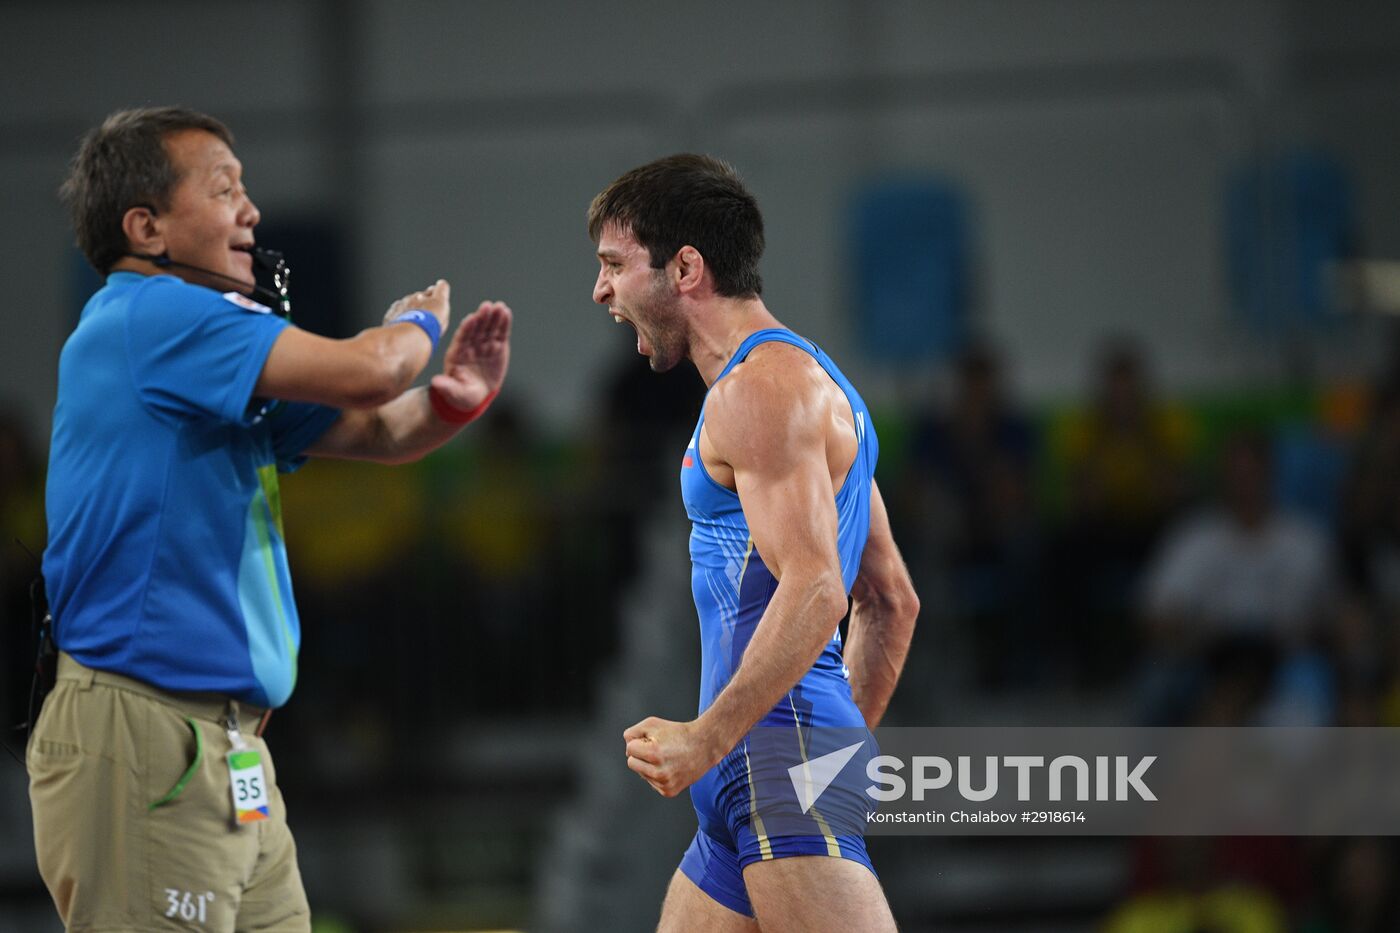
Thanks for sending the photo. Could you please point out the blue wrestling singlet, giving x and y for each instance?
(732, 588)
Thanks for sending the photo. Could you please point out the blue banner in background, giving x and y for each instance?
(910, 269)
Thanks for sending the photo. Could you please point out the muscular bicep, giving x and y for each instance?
(778, 454)
(791, 514)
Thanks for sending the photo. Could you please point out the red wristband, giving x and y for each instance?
(453, 415)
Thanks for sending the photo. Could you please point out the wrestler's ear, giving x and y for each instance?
(688, 268)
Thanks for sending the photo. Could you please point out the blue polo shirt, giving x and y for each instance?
(165, 559)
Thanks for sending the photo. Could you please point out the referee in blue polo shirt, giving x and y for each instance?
(180, 399)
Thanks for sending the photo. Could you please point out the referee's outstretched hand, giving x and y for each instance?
(476, 360)
(436, 299)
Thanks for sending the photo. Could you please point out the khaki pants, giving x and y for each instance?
(104, 750)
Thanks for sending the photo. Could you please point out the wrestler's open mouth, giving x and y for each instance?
(619, 319)
(643, 347)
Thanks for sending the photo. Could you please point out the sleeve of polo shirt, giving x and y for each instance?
(195, 353)
(295, 427)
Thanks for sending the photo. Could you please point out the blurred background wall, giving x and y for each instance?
(1086, 193)
(465, 139)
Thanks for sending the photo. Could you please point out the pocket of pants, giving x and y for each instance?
(46, 751)
(196, 758)
(52, 766)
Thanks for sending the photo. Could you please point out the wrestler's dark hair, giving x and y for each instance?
(688, 200)
(120, 165)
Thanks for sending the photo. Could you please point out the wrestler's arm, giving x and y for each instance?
(884, 608)
(775, 441)
(768, 423)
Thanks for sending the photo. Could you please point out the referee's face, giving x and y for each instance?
(211, 218)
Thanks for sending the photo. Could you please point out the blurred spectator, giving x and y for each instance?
(1361, 655)
(1127, 457)
(1235, 602)
(634, 453)
(1368, 640)
(495, 526)
(353, 529)
(1387, 695)
(22, 518)
(1208, 885)
(646, 421)
(1218, 908)
(1370, 523)
(1359, 889)
(972, 471)
(1125, 465)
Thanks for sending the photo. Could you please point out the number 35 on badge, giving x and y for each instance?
(249, 786)
(245, 773)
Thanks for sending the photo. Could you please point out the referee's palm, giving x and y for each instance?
(476, 361)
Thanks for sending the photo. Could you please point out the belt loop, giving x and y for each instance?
(85, 674)
(237, 709)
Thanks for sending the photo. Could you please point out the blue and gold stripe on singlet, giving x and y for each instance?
(832, 848)
(765, 848)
